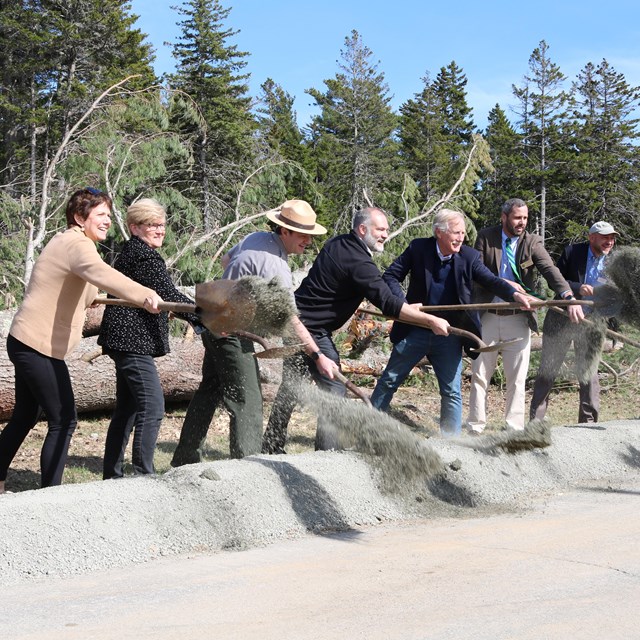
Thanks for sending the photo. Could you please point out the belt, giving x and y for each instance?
(505, 312)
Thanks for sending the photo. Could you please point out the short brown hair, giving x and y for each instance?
(83, 201)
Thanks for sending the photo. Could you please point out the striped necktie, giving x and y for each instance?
(511, 259)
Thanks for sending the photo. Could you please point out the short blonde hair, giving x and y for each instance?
(145, 211)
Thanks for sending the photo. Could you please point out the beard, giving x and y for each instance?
(374, 244)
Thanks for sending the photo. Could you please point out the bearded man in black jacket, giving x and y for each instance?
(342, 276)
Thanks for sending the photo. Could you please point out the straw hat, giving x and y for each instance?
(296, 215)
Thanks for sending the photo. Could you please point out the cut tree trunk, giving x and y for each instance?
(94, 382)
(180, 371)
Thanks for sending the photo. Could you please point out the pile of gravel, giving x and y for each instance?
(238, 504)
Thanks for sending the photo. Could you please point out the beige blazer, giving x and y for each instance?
(64, 282)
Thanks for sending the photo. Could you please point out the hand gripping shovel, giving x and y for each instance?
(481, 348)
(224, 306)
(292, 350)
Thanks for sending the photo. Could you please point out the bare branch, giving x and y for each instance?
(438, 203)
(36, 237)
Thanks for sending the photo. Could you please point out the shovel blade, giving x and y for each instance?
(224, 307)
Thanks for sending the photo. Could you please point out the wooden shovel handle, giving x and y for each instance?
(452, 330)
(352, 387)
(620, 337)
(486, 306)
(175, 307)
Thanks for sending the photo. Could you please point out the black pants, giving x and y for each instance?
(139, 408)
(293, 370)
(41, 384)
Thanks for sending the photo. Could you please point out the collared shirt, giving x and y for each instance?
(506, 271)
(443, 258)
(595, 269)
(260, 254)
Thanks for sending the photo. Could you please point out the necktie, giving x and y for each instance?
(511, 258)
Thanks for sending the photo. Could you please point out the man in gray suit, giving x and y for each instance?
(512, 253)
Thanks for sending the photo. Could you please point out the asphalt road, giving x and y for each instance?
(569, 568)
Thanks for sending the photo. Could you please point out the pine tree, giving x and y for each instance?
(605, 185)
(209, 70)
(283, 147)
(58, 56)
(422, 140)
(353, 136)
(508, 177)
(543, 117)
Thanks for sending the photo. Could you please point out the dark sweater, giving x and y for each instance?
(135, 330)
(342, 275)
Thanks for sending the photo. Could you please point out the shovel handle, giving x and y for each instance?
(352, 387)
(620, 337)
(175, 307)
(463, 333)
(480, 306)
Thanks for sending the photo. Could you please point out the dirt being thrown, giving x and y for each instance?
(623, 271)
(274, 305)
(400, 457)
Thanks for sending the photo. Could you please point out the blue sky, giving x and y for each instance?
(298, 43)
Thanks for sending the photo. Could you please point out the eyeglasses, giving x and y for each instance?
(156, 226)
(94, 192)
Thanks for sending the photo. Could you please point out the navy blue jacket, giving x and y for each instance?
(417, 261)
(572, 264)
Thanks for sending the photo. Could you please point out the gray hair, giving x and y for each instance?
(511, 204)
(364, 216)
(444, 217)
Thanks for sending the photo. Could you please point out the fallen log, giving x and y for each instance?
(94, 383)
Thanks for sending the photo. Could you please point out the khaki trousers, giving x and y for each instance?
(515, 360)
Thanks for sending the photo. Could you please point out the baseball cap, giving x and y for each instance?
(603, 228)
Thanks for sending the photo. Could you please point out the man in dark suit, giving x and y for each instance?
(509, 251)
(342, 276)
(442, 271)
(582, 264)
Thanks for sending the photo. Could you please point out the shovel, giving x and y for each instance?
(292, 350)
(225, 306)
(482, 346)
(607, 302)
(618, 337)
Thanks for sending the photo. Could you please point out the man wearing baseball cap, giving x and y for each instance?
(230, 373)
(582, 264)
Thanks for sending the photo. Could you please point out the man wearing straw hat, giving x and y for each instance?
(230, 371)
(514, 254)
(582, 264)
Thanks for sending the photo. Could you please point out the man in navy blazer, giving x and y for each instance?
(442, 271)
(582, 265)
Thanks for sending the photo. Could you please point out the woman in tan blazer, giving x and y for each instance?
(48, 325)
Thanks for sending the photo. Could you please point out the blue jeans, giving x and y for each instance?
(445, 355)
(139, 408)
